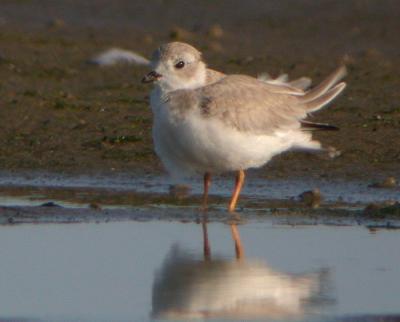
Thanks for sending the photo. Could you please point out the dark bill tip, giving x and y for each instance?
(151, 77)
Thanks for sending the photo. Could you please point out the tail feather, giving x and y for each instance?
(302, 83)
(325, 85)
(313, 126)
(322, 100)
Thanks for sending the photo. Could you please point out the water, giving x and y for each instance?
(132, 271)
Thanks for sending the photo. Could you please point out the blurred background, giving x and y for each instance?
(60, 113)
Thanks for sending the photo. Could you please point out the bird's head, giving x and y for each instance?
(176, 65)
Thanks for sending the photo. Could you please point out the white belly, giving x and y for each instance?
(194, 144)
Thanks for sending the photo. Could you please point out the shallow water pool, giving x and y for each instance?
(132, 271)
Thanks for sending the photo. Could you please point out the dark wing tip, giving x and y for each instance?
(311, 126)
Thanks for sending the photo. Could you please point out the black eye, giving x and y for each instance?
(180, 64)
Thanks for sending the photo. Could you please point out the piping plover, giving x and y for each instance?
(208, 122)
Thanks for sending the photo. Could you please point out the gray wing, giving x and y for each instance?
(249, 105)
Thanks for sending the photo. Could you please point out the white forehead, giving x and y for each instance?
(174, 52)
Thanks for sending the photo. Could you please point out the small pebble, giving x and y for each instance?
(385, 209)
(178, 33)
(95, 206)
(179, 191)
(82, 123)
(311, 198)
(333, 152)
(389, 182)
(148, 39)
(248, 59)
(49, 204)
(215, 31)
(56, 23)
(348, 60)
(372, 53)
(372, 208)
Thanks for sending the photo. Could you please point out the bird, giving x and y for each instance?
(207, 122)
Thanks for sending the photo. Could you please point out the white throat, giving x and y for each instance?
(174, 84)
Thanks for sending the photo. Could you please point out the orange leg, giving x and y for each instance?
(232, 205)
(207, 182)
(238, 187)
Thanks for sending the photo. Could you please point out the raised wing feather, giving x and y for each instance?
(278, 85)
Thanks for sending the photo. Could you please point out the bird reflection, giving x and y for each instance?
(189, 286)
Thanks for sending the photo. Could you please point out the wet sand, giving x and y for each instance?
(43, 198)
(60, 114)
